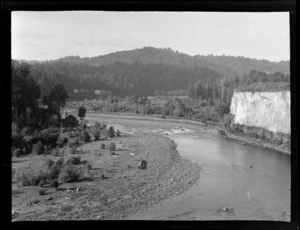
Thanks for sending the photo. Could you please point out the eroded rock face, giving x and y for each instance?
(269, 110)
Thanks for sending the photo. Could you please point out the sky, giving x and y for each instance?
(51, 35)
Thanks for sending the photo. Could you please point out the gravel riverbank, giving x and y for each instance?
(125, 190)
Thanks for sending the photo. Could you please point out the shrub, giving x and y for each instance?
(112, 146)
(38, 148)
(97, 134)
(74, 160)
(103, 126)
(53, 172)
(62, 141)
(118, 133)
(70, 174)
(85, 136)
(54, 184)
(102, 146)
(111, 132)
(60, 162)
(50, 136)
(42, 192)
(70, 121)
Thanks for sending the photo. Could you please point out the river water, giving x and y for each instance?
(237, 182)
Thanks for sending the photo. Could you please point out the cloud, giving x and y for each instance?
(121, 41)
(78, 43)
(28, 34)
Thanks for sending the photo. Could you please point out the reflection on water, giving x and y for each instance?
(238, 182)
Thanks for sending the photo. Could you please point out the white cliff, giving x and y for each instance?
(269, 110)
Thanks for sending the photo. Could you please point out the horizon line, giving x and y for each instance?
(166, 48)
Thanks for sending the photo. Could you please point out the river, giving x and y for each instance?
(237, 181)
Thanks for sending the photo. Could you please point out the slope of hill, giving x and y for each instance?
(143, 71)
(227, 66)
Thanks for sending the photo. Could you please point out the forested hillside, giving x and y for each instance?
(143, 72)
(82, 80)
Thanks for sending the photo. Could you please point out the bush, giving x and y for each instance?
(38, 148)
(74, 160)
(50, 136)
(85, 136)
(118, 133)
(103, 126)
(102, 146)
(70, 174)
(42, 192)
(111, 132)
(70, 121)
(97, 134)
(112, 146)
(62, 141)
(54, 184)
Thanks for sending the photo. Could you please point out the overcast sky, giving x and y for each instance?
(52, 35)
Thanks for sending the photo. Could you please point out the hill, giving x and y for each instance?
(143, 71)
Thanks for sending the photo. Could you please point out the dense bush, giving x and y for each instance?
(111, 132)
(70, 121)
(97, 125)
(70, 174)
(74, 160)
(118, 133)
(85, 136)
(97, 134)
(49, 137)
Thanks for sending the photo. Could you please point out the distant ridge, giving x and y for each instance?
(227, 66)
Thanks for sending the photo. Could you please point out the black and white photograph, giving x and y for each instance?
(150, 115)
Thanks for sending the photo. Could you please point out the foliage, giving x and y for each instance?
(70, 121)
(97, 134)
(81, 112)
(118, 133)
(85, 136)
(73, 149)
(111, 132)
(102, 146)
(70, 174)
(57, 98)
(74, 160)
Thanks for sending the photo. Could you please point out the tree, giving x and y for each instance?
(81, 112)
(57, 98)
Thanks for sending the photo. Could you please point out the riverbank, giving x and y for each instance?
(211, 125)
(118, 187)
(259, 143)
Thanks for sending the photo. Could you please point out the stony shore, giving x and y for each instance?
(125, 190)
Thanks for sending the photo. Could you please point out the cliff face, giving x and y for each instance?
(269, 110)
